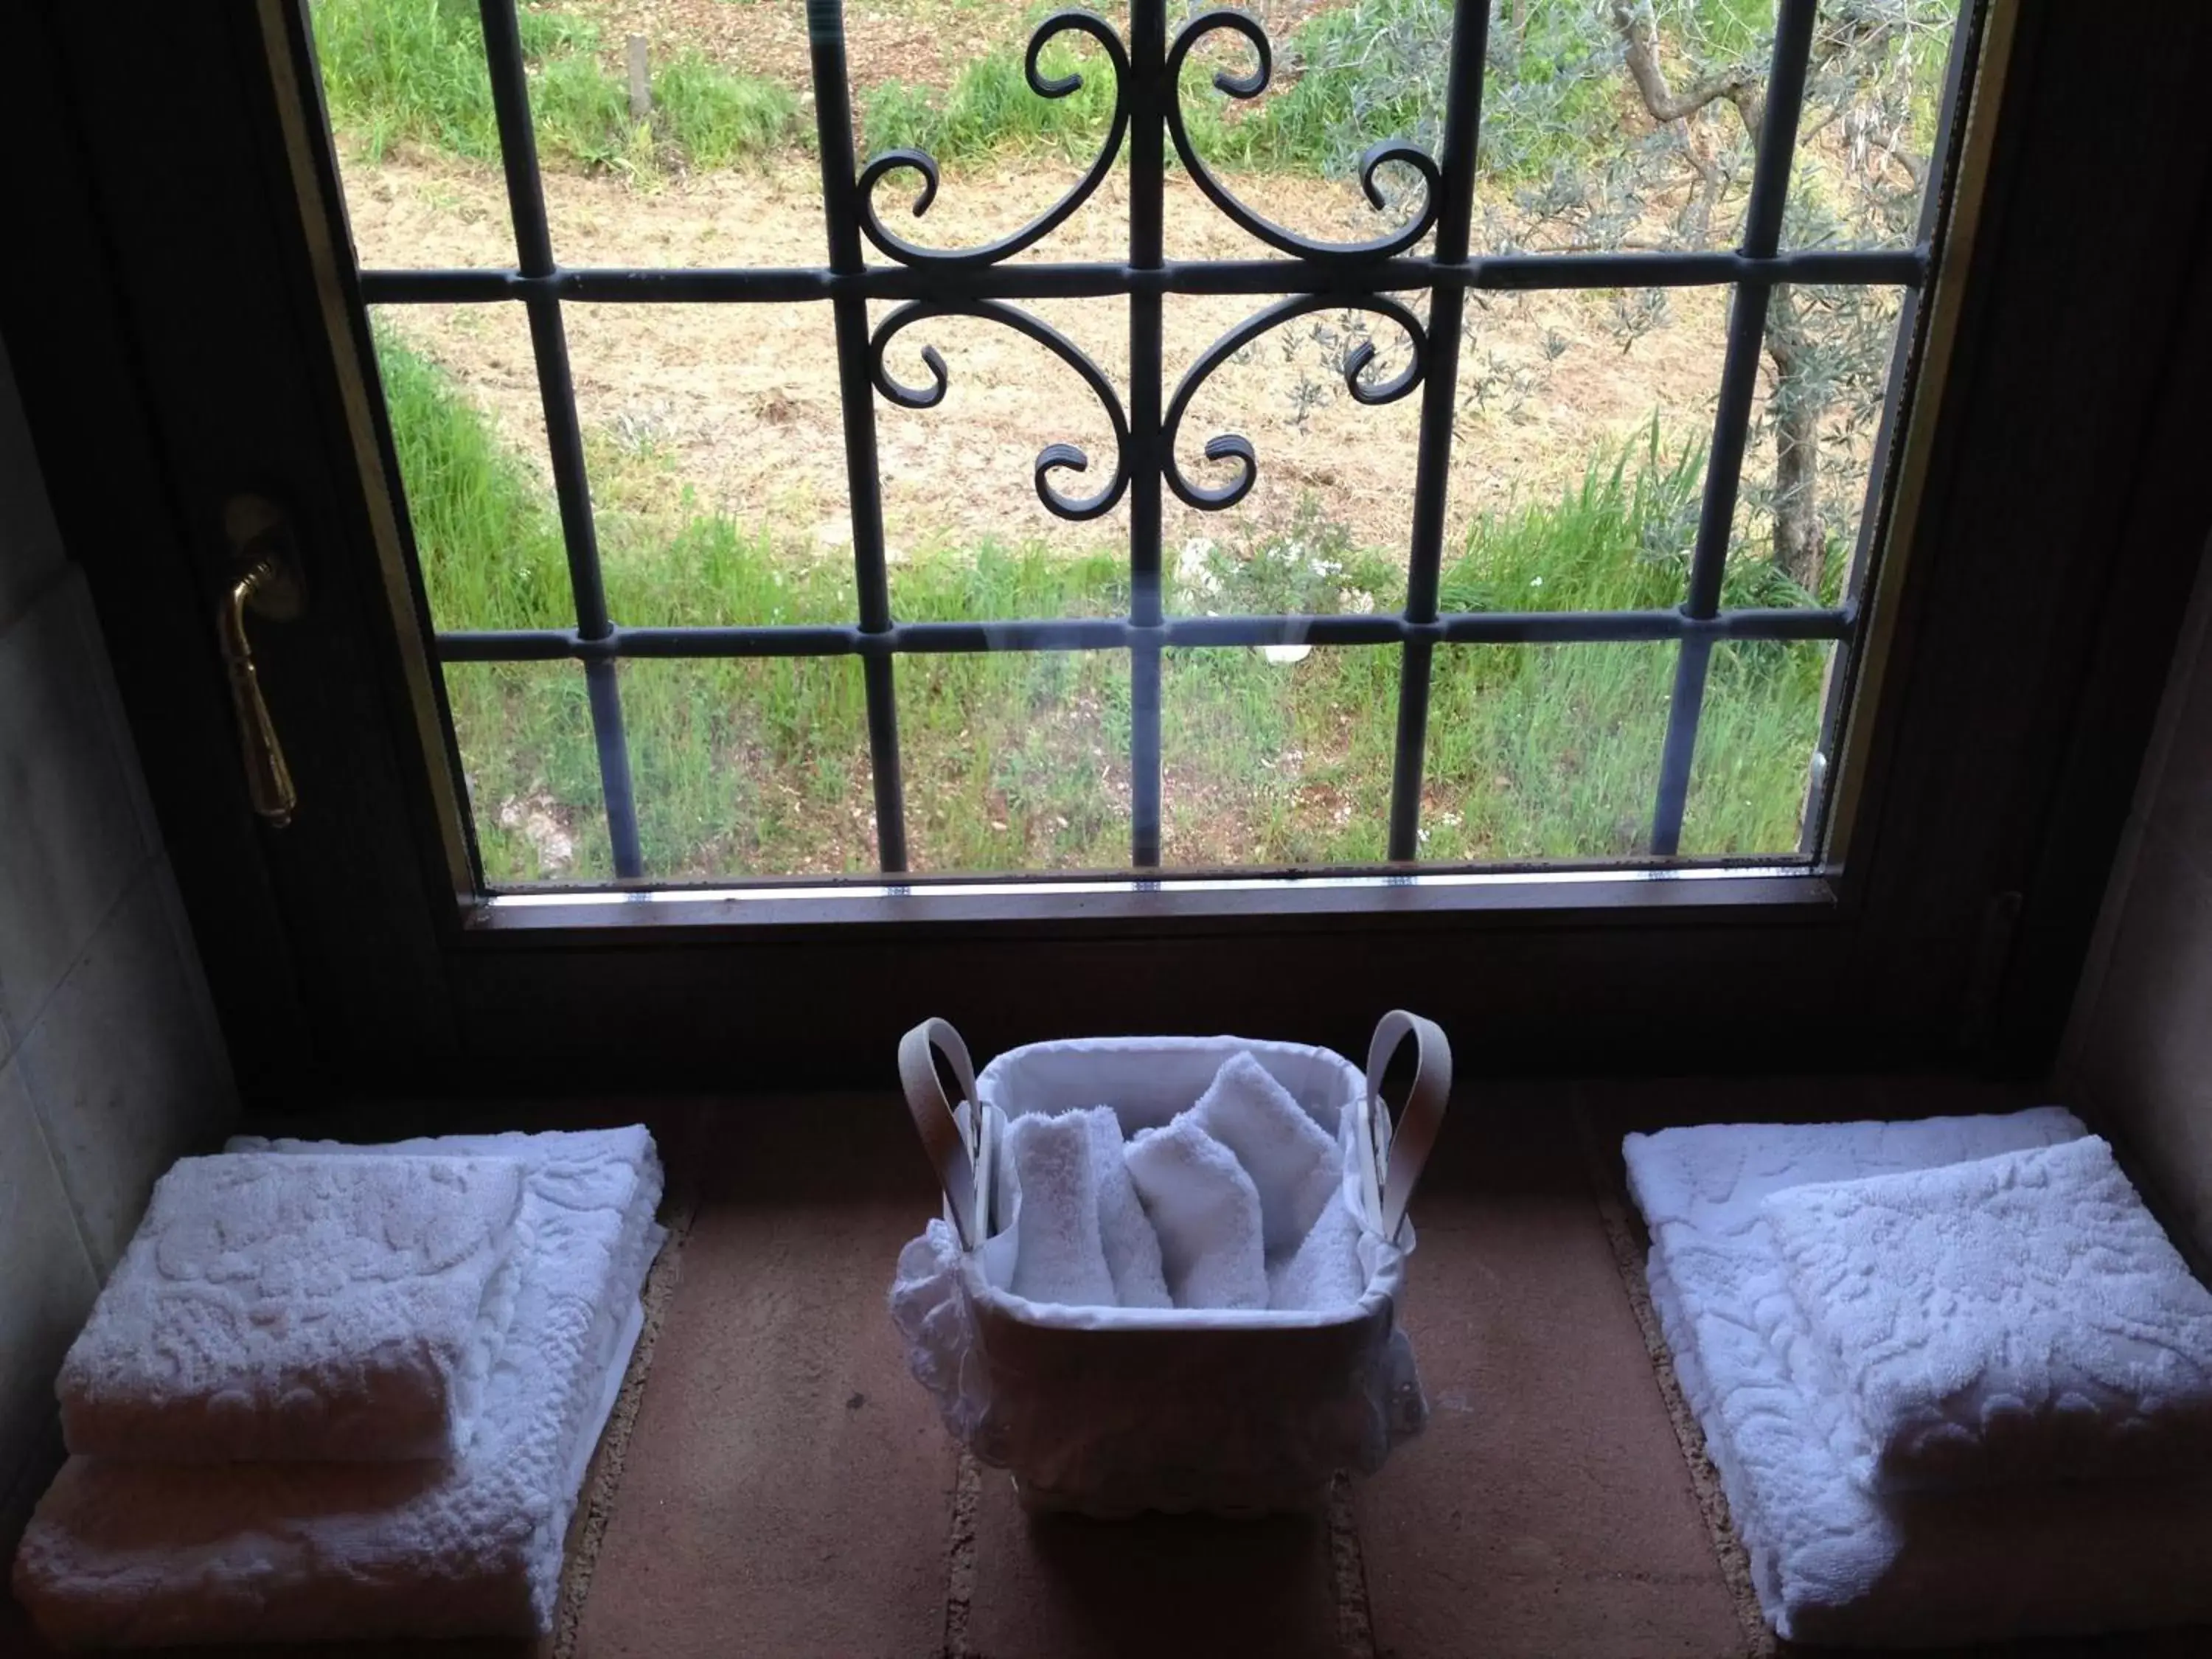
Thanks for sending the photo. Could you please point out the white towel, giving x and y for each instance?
(1325, 1272)
(1132, 1248)
(1831, 1561)
(1206, 1212)
(1059, 1254)
(1291, 1159)
(142, 1554)
(298, 1307)
(2021, 1317)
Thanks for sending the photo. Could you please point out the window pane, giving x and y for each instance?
(751, 768)
(1329, 471)
(1569, 398)
(1016, 760)
(1544, 752)
(717, 460)
(1590, 505)
(531, 770)
(1620, 126)
(1870, 140)
(410, 106)
(1762, 722)
(1823, 379)
(946, 78)
(962, 475)
(461, 385)
(1291, 154)
(1275, 756)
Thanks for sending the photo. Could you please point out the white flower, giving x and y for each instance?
(1535, 581)
(1193, 567)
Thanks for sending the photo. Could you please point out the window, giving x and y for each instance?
(195, 327)
(1476, 623)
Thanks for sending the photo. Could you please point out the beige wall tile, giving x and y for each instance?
(119, 1068)
(2140, 1047)
(46, 1283)
(30, 547)
(73, 839)
(2147, 1060)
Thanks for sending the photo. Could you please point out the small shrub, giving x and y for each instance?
(715, 119)
(484, 528)
(580, 111)
(413, 71)
(406, 71)
(991, 106)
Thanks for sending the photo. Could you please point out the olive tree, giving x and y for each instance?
(1613, 124)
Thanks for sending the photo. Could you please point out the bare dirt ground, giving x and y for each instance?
(921, 42)
(742, 398)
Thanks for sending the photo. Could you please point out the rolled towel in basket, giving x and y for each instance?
(1294, 1164)
(1325, 1272)
(1059, 1256)
(1132, 1248)
(2021, 1317)
(295, 1308)
(1206, 1212)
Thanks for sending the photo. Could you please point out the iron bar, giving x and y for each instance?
(1121, 634)
(1904, 267)
(833, 124)
(1148, 88)
(564, 438)
(1439, 409)
(1762, 235)
(1899, 388)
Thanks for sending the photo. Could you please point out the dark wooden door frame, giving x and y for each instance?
(171, 346)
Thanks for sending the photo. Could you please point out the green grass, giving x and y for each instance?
(1345, 78)
(990, 110)
(412, 71)
(990, 107)
(1018, 760)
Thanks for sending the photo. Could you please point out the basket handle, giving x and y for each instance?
(1415, 1133)
(941, 1137)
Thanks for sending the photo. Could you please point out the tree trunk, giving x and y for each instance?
(1800, 542)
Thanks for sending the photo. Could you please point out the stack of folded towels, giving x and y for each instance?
(1956, 1381)
(1238, 1202)
(337, 1391)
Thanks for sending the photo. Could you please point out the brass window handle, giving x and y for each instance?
(269, 587)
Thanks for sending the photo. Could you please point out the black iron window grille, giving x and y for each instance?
(984, 281)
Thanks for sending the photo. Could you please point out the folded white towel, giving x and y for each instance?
(142, 1554)
(1206, 1212)
(2021, 1317)
(1326, 1271)
(1060, 1255)
(1132, 1248)
(1831, 1561)
(298, 1307)
(1293, 1161)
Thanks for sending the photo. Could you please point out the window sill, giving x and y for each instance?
(1127, 904)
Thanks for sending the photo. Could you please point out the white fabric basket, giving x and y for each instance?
(1112, 1410)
